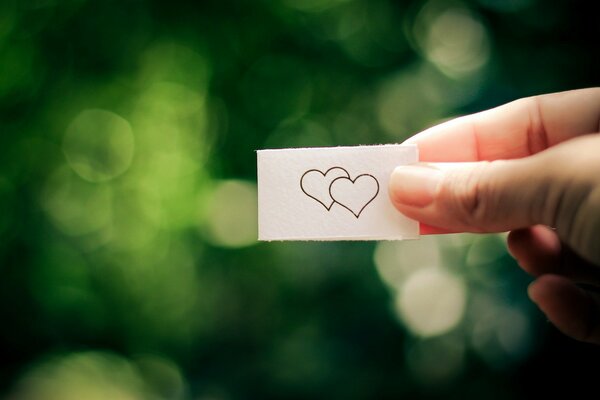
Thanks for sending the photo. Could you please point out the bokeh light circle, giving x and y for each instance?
(431, 302)
(452, 37)
(457, 42)
(87, 375)
(395, 260)
(99, 145)
(76, 207)
(232, 219)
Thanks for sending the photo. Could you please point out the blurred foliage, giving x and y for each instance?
(128, 256)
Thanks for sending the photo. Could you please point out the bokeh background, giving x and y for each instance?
(129, 266)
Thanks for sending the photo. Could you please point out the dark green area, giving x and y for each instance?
(121, 122)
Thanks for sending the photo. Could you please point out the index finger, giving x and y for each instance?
(514, 130)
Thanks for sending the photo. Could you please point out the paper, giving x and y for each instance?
(331, 193)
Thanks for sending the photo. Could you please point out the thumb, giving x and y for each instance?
(559, 187)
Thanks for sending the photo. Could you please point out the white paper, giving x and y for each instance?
(331, 193)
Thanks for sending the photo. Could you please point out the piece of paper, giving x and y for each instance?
(331, 193)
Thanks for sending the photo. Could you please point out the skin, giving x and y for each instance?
(531, 167)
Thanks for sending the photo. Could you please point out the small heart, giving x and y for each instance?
(354, 195)
(315, 184)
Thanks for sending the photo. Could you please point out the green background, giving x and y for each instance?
(129, 267)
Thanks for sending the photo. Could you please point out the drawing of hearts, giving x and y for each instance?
(315, 184)
(354, 194)
(336, 186)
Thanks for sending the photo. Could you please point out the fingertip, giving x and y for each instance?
(565, 305)
(514, 239)
(539, 289)
(414, 185)
(536, 249)
(541, 236)
(550, 289)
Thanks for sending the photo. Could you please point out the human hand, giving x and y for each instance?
(525, 167)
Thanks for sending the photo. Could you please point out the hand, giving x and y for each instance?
(526, 166)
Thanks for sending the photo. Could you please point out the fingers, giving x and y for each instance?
(572, 310)
(538, 251)
(514, 130)
(558, 187)
(425, 229)
(464, 197)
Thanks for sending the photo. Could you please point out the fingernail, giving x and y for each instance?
(415, 185)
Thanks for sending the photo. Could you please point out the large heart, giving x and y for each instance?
(315, 184)
(354, 194)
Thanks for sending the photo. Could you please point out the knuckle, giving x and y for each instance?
(572, 197)
(583, 228)
(470, 196)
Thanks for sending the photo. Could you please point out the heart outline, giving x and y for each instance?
(354, 180)
(324, 175)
